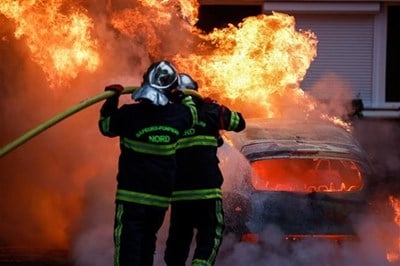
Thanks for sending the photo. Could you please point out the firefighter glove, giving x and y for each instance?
(115, 87)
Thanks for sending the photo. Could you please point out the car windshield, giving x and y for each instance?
(306, 175)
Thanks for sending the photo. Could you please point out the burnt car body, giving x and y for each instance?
(311, 179)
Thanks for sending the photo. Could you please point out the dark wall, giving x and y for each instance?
(219, 16)
(393, 55)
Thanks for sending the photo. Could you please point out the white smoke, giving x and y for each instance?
(273, 250)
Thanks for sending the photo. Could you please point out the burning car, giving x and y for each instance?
(311, 179)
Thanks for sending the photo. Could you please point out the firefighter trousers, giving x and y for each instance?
(135, 229)
(203, 216)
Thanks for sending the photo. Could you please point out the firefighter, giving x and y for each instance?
(196, 202)
(148, 131)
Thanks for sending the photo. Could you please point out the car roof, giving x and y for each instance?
(274, 138)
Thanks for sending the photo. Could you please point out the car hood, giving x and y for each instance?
(256, 150)
(279, 139)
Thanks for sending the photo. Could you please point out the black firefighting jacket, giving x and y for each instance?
(148, 140)
(198, 173)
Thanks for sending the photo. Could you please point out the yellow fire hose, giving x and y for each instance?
(72, 110)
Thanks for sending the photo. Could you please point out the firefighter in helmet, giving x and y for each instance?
(148, 131)
(196, 201)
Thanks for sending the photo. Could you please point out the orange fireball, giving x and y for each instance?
(60, 42)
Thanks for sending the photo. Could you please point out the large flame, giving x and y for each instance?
(264, 57)
(59, 37)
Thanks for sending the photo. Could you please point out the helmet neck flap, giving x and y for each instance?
(155, 96)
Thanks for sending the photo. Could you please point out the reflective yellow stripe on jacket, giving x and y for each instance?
(142, 198)
(105, 126)
(198, 194)
(188, 101)
(156, 149)
(234, 121)
(197, 141)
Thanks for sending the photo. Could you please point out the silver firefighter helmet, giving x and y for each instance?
(159, 79)
(185, 81)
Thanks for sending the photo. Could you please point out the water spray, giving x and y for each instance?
(63, 115)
